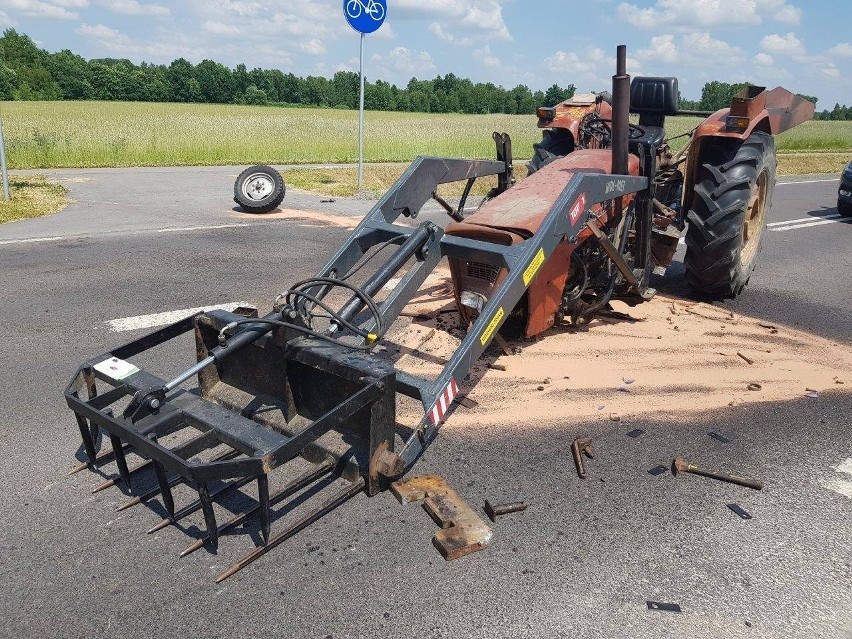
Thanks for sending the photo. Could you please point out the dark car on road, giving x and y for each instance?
(844, 195)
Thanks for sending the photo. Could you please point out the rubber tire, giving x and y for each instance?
(271, 201)
(844, 209)
(555, 143)
(727, 172)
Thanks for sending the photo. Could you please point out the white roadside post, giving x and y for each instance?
(3, 169)
(365, 16)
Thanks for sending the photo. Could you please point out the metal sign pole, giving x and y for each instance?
(3, 163)
(361, 124)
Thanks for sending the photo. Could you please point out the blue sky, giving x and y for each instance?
(804, 46)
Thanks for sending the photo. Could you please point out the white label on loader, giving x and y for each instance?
(115, 368)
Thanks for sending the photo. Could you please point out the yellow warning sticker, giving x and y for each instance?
(534, 267)
(488, 333)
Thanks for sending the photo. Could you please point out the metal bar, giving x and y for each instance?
(3, 168)
(613, 254)
(620, 113)
(165, 488)
(282, 493)
(209, 515)
(335, 501)
(120, 459)
(361, 123)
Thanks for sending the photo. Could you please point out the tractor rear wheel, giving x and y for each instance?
(555, 143)
(733, 194)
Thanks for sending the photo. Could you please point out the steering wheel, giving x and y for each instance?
(636, 132)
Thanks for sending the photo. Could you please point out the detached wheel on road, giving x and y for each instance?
(259, 189)
(733, 193)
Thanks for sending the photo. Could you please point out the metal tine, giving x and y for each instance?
(102, 458)
(335, 501)
(209, 515)
(263, 505)
(282, 493)
(174, 481)
(112, 482)
(120, 459)
(191, 508)
(88, 442)
(165, 489)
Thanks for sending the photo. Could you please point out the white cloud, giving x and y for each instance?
(102, 33)
(135, 8)
(487, 58)
(57, 9)
(693, 49)
(438, 30)
(830, 71)
(478, 19)
(314, 46)
(702, 14)
(6, 20)
(662, 49)
(220, 29)
(404, 61)
(764, 60)
(788, 44)
(842, 49)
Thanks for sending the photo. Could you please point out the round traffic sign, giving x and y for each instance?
(365, 16)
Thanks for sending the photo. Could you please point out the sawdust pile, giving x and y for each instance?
(672, 357)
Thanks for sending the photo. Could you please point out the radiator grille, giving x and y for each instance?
(480, 271)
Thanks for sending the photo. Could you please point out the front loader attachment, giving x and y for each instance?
(305, 383)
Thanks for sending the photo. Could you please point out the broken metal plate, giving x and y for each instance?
(462, 530)
(740, 511)
(720, 438)
(664, 607)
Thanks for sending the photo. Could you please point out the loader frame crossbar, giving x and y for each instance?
(356, 391)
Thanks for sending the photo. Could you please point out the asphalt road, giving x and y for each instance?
(582, 561)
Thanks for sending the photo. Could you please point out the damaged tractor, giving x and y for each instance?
(302, 400)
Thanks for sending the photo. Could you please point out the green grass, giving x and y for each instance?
(99, 134)
(31, 196)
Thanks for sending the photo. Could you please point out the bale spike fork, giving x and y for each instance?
(278, 387)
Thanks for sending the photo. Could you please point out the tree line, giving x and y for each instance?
(30, 73)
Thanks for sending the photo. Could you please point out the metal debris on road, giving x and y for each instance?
(742, 513)
(679, 465)
(579, 447)
(664, 607)
(637, 432)
(755, 387)
(656, 471)
(503, 509)
(462, 530)
(720, 438)
(748, 360)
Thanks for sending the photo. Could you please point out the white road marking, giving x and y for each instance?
(804, 219)
(841, 486)
(201, 228)
(796, 227)
(33, 240)
(808, 182)
(162, 319)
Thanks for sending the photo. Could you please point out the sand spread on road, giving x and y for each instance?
(677, 356)
(312, 217)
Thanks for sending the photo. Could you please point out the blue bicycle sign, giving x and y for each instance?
(365, 16)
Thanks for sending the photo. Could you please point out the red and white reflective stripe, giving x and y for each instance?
(444, 402)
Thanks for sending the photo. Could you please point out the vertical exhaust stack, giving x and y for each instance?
(620, 113)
